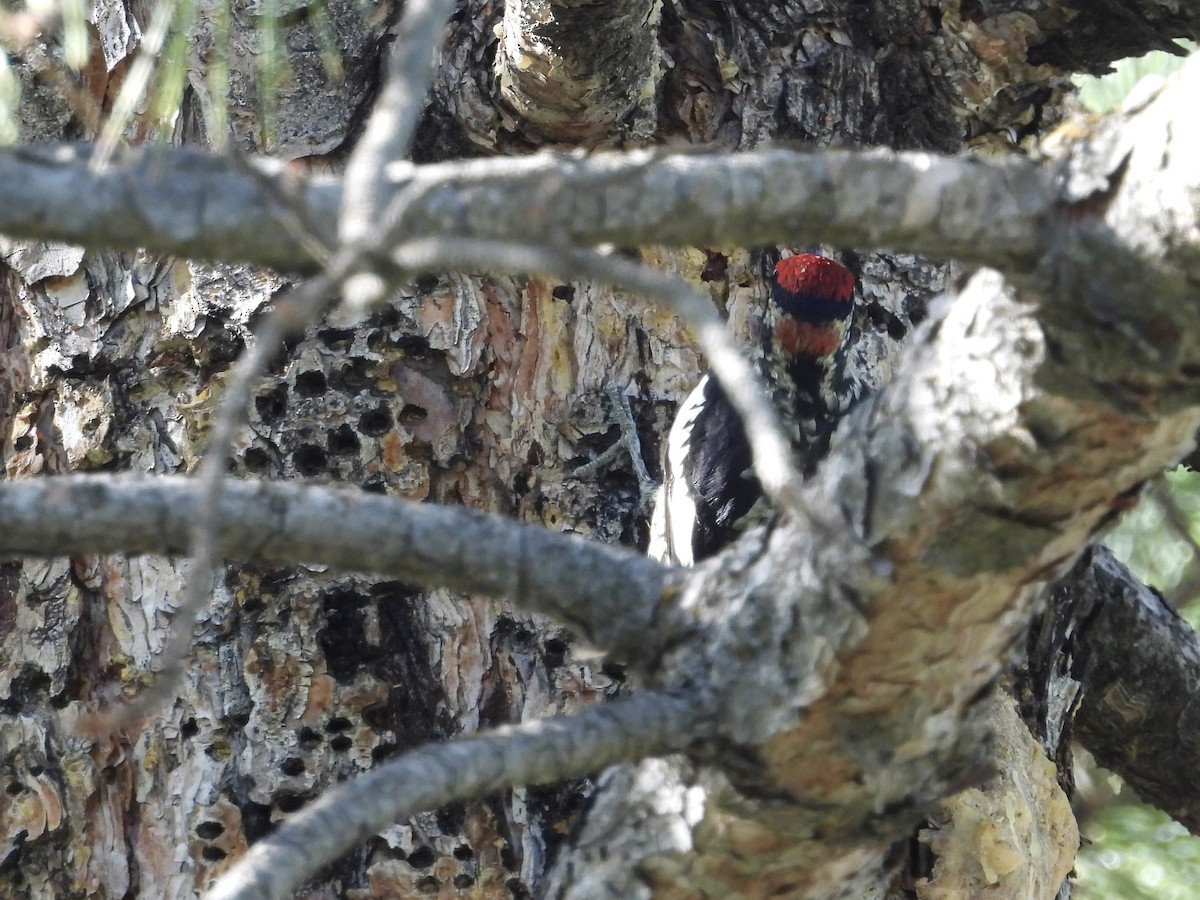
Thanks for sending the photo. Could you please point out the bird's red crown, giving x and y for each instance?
(815, 277)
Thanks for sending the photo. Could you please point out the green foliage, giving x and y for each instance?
(1138, 854)
(1158, 539)
(1135, 852)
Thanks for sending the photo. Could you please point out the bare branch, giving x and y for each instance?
(611, 595)
(188, 203)
(531, 753)
(629, 442)
(1007, 213)
(1139, 665)
(287, 191)
(154, 197)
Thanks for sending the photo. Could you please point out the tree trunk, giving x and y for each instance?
(466, 389)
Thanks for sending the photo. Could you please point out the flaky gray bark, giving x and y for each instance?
(844, 667)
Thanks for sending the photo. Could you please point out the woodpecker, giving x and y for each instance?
(709, 493)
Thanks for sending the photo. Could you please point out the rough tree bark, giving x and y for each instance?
(852, 716)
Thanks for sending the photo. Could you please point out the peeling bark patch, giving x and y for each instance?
(429, 412)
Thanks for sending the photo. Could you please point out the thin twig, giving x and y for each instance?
(394, 118)
(630, 442)
(1175, 517)
(427, 778)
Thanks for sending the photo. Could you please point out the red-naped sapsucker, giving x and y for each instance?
(710, 493)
